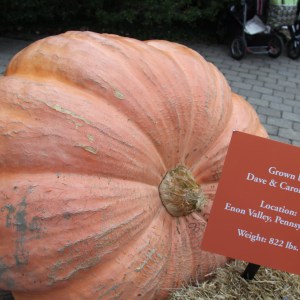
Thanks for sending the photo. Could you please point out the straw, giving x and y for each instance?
(228, 284)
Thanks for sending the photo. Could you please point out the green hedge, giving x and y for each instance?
(138, 18)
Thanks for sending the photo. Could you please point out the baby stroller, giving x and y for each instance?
(285, 15)
(293, 44)
(254, 36)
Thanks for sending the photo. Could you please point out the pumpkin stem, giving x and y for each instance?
(180, 193)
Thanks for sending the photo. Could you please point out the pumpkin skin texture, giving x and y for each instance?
(89, 126)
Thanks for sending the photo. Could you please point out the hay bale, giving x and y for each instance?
(226, 283)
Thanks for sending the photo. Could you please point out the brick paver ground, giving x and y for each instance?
(272, 86)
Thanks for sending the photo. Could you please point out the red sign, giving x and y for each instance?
(256, 211)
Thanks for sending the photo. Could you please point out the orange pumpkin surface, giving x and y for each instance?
(98, 135)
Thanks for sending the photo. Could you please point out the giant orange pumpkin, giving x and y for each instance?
(110, 154)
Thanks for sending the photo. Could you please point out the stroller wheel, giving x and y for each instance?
(293, 48)
(238, 48)
(275, 45)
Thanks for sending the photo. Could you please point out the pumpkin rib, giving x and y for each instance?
(189, 265)
(243, 118)
(157, 45)
(12, 72)
(194, 237)
(186, 266)
(87, 124)
(219, 83)
(69, 251)
(174, 61)
(141, 266)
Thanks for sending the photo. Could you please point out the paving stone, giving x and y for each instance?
(286, 73)
(274, 86)
(291, 116)
(249, 65)
(247, 75)
(294, 91)
(295, 79)
(277, 76)
(249, 93)
(269, 111)
(267, 79)
(232, 78)
(216, 60)
(285, 95)
(272, 130)
(263, 90)
(263, 119)
(225, 65)
(260, 73)
(234, 64)
(282, 107)
(229, 72)
(296, 126)
(296, 110)
(285, 83)
(242, 85)
(237, 68)
(272, 98)
(253, 82)
(258, 101)
(289, 134)
(292, 103)
(279, 122)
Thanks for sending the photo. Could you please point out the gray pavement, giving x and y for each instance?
(272, 86)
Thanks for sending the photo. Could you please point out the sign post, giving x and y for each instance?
(256, 212)
(250, 271)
